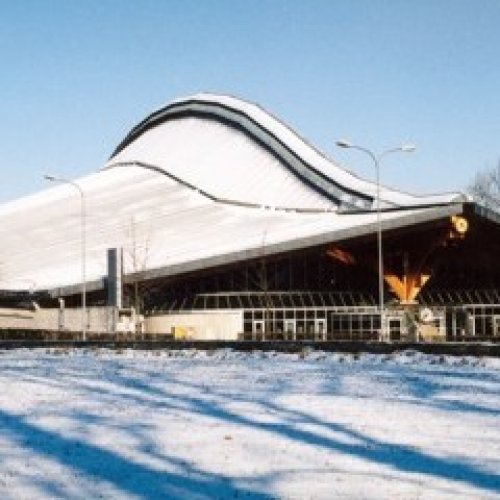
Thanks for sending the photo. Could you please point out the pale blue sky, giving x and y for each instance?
(77, 75)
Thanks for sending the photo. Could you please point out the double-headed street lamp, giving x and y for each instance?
(376, 158)
(62, 180)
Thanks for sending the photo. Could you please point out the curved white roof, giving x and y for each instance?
(183, 191)
(234, 149)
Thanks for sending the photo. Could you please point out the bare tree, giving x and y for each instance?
(264, 283)
(486, 188)
(136, 255)
(260, 280)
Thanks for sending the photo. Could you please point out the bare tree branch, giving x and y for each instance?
(136, 255)
(486, 188)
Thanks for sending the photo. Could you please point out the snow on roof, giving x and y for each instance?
(161, 224)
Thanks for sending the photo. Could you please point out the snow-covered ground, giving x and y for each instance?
(190, 424)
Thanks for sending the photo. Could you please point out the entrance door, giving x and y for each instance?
(258, 329)
(289, 329)
(395, 328)
(320, 328)
(496, 326)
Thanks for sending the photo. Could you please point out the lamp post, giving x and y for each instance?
(83, 242)
(376, 158)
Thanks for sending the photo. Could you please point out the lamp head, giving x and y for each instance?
(408, 148)
(341, 143)
(48, 177)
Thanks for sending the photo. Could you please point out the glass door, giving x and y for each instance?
(290, 329)
(320, 328)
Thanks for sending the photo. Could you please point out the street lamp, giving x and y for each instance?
(62, 180)
(376, 158)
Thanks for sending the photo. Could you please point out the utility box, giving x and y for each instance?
(115, 267)
(183, 332)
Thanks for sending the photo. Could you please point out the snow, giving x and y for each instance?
(96, 423)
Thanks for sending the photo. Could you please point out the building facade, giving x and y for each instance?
(228, 221)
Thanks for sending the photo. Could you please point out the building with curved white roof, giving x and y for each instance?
(209, 184)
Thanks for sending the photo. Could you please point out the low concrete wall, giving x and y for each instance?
(203, 325)
(98, 319)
